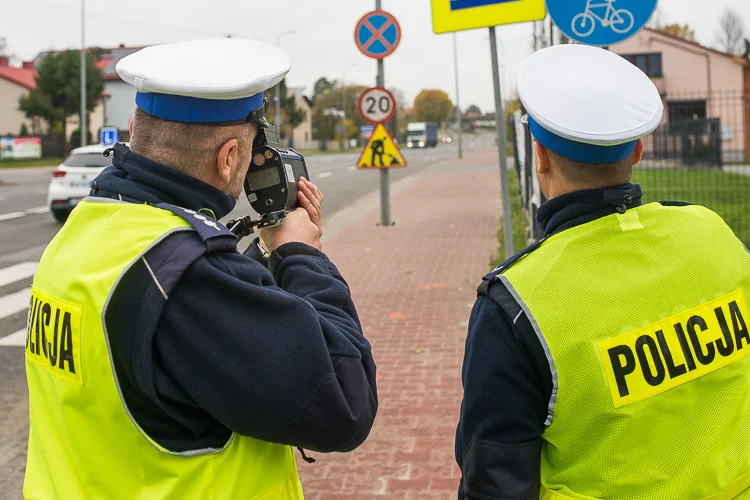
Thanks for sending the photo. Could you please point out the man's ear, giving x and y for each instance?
(541, 158)
(638, 152)
(130, 125)
(227, 159)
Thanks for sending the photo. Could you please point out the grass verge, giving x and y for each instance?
(520, 222)
(43, 162)
(727, 194)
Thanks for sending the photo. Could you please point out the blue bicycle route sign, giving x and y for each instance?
(467, 4)
(600, 22)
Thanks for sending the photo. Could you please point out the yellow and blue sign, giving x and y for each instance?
(377, 34)
(600, 22)
(458, 15)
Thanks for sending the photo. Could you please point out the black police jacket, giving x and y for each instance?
(506, 375)
(276, 354)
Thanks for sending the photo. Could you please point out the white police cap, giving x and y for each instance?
(218, 81)
(587, 103)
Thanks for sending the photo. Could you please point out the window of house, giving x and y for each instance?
(307, 136)
(686, 110)
(648, 63)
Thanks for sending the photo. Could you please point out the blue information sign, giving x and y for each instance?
(467, 4)
(600, 22)
(377, 34)
(108, 136)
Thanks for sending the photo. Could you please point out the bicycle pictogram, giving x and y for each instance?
(619, 20)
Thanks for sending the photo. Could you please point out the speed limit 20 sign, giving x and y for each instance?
(377, 105)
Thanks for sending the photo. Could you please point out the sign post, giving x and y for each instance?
(377, 35)
(456, 15)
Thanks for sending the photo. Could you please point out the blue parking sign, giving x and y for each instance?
(109, 136)
(600, 22)
(468, 4)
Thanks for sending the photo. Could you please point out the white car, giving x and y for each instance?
(71, 180)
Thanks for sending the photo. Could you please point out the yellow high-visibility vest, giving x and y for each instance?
(83, 442)
(644, 320)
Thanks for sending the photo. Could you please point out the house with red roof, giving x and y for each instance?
(14, 83)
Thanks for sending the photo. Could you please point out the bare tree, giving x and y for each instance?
(731, 32)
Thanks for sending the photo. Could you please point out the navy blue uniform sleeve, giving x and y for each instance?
(498, 439)
(279, 357)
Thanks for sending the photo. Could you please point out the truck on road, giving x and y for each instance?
(421, 135)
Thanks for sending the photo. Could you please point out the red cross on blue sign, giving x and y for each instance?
(377, 34)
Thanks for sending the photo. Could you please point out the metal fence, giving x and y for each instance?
(700, 153)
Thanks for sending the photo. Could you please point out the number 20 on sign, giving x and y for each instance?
(377, 105)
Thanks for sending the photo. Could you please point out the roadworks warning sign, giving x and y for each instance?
(381, 151)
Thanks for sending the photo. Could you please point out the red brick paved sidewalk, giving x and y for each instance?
(414, 285)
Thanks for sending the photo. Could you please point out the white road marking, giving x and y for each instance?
(18, 272)
(352, 168)
(325, 175)
(30, 211)
(12, 215)
(16, 339)
(14, 303)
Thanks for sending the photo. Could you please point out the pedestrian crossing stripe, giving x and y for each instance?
(381, 152)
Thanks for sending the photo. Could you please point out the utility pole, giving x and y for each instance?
(459, 122)
(277, 97)
(82, 122)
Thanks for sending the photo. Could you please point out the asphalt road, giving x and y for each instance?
(26, 228)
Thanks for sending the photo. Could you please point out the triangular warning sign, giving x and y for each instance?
(381, 151)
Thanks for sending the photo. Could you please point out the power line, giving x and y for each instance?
(117, 19)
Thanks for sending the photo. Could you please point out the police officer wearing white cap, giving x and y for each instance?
(610, 359)
(186, 370)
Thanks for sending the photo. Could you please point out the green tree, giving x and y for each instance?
(322, 85)
(291, 115)
(433, 106)
(335, 99)
(24, 131)
(58, 88)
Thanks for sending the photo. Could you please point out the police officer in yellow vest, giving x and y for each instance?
(162, 363)
(611, 359)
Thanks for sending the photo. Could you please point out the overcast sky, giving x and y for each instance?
(324, 43)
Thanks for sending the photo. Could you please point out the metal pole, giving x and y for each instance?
(277, 96)
(459, 122)
(500, 119)
(551, 32)
(82, 122)
(385, 187)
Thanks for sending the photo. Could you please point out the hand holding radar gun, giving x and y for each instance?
(271, 183)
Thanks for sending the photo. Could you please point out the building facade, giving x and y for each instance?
(15, 82)
(704, 97)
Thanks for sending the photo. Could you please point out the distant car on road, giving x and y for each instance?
(71, 180)
(446, 139)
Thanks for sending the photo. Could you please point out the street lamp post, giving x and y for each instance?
(459, 122)
(82, 122)
(277, 98)
(343, 105)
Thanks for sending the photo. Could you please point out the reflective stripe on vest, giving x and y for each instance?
(645, 319)
(82, 441)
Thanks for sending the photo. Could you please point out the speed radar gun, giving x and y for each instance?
(270, 184)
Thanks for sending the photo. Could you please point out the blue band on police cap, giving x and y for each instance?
(178, 108)
(579, 151)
